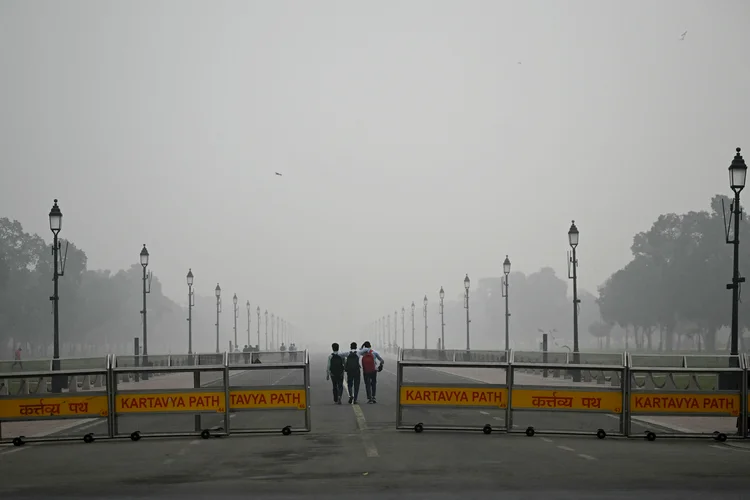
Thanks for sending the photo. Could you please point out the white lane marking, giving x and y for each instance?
(168, 461)
(370, 449)
(731, 447)
(587, 457)
(645, 422)
(546, 440)
(484, 412)
(499, 418)
(566, 448)
(196, 441)
(12, 450)
(182, 451)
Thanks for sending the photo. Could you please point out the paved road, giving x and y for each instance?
(356, 450)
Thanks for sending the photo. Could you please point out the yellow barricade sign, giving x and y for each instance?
(54, 407)
(719, 404)
(286, 398)
(170, 402)
(550, 399)
(496, 397)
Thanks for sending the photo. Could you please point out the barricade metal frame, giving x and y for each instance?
(114, 392)
(303, 365)
(626, 389)
(420, 426)
(622, 391)
(104, 371)
(740, 370)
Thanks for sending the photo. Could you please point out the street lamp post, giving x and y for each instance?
(266, 329)
(424, 313)
(573, 274)
(385, 338)
(55, 225)
(273, 342)
(278, 331)
(218, 311)
(388, 337)
(236, 315)
(413, 307)
(257, 310)
(506, 272)
(146, 290)
(191, 303)
(395, 330)
(403, 330)
(442, 320)
(248, 323)
(467, 284)
(737, 177)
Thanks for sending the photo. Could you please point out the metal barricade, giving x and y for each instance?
(264, 384)
(680, 395)
(191, 385)
(545, 399)
(471, 386)
(25, 397)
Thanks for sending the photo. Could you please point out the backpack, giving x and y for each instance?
(368, 362)
(352, 363)
(337, 365)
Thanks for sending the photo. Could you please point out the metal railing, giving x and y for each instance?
(616, 392)
(208, 389)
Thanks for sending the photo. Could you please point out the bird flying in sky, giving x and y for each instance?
(682, 37)
(278, 174)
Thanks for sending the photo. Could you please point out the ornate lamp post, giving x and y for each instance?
(217, 291)
(467, 285)
(573, 274)
(506, 272)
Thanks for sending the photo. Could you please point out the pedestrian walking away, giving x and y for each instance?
(17, 358)
(370, 370)
(335, 372)
(353, 373)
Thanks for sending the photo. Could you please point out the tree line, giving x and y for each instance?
(99, 310)
(672, 295)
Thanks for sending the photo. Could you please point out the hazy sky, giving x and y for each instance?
(414, 146)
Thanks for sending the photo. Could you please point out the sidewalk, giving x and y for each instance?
(41, 428)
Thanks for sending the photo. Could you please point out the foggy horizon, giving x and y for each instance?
(414, 147)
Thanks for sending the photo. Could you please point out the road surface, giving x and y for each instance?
(355, 449)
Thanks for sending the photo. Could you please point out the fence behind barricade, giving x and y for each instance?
(567, 393)
(451, 390)
(269, 391)
(25, 397)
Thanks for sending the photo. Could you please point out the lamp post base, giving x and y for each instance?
(59, 382)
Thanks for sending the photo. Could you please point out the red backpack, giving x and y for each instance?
(368, 362)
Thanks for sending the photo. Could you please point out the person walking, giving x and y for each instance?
(335, 372)
(352, 373)
(370, 370)
(17, 358)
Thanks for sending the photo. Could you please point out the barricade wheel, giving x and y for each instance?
(650, 436)
(88, 438)
(487, 429)
(135, 435)
(286, 430)
(530, 431)
(205, 434)
(418, 428)
(18, 441)
(721, 437)
(601, 434)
